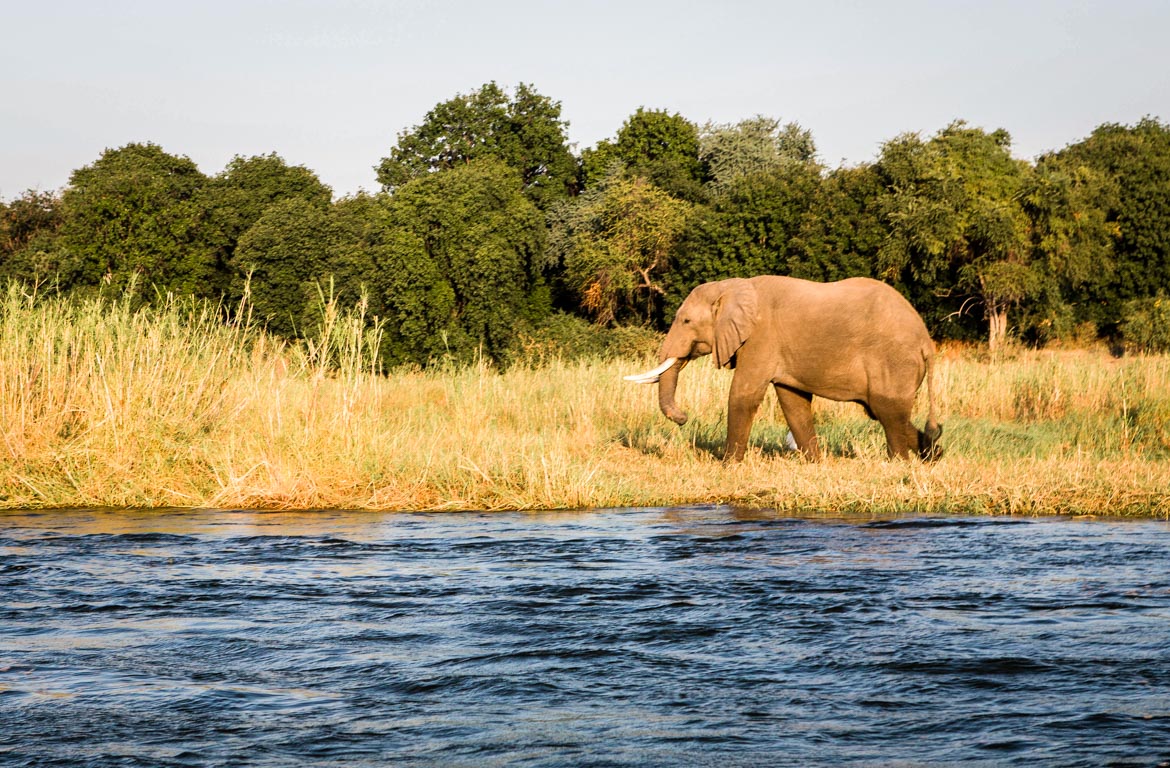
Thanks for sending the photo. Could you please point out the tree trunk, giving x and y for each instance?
(996, 326)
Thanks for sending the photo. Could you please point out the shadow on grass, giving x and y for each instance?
(772, 441)
(710, 439)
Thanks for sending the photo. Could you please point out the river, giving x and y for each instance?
(649, 637)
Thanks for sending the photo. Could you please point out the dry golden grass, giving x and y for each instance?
(104, 406)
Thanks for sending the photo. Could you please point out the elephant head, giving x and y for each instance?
(715, 319)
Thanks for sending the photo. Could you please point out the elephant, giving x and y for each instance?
(854, 340)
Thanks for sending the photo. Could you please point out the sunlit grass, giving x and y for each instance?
(101, 405)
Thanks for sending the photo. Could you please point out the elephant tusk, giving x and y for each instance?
(649, 377)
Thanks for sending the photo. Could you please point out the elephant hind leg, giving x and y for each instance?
(901, 434)
(797, 409)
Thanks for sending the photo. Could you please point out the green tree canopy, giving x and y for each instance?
(747, 230)
(657, 145)
(1073, 244)
(460, 267)
(285, 255)
(756, 145)
(26, 217)
(957, 226)
(29, 226)
(239, 195)
(615, 243)
(842, 230)
(360, 226)
(1133, 164)
(525, 131)
(135, 213)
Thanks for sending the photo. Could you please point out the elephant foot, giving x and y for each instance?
(733, 454)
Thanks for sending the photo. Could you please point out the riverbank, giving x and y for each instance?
(104, 406)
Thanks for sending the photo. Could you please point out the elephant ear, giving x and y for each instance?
(734, 313)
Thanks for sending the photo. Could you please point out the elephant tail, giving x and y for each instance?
(928, 447)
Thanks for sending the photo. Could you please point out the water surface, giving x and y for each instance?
(699, 636)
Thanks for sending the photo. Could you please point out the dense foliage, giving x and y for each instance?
(526, 132)
(489, 236)
(459, 270)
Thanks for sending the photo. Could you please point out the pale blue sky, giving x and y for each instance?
(330, 85)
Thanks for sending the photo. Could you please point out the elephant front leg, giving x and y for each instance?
(742, 404)
(797, 409)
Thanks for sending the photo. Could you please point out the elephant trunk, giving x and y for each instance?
(666, 386)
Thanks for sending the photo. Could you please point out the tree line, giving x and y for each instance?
(489, 230)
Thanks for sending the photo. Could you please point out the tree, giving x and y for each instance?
(654, 144)
(956, 222)
(26, 217)
(359, 227)
(239, 195)
(1073, 245)
(525, 131)
(748, 229)
(842, 230)
(135, 214)
(284, 256)
(460, 267)
(1133, 165)
(752, 146)
(29, 226)
(614, 242)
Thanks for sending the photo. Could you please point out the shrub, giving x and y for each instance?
(568, 337)
(1145, 324)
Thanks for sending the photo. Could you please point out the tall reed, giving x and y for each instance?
(105, 404)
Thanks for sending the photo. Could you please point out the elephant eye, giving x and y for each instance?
(686, 321)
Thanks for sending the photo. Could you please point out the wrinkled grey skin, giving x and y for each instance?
(856, 340)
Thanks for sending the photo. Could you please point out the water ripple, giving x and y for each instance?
(706, 636)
